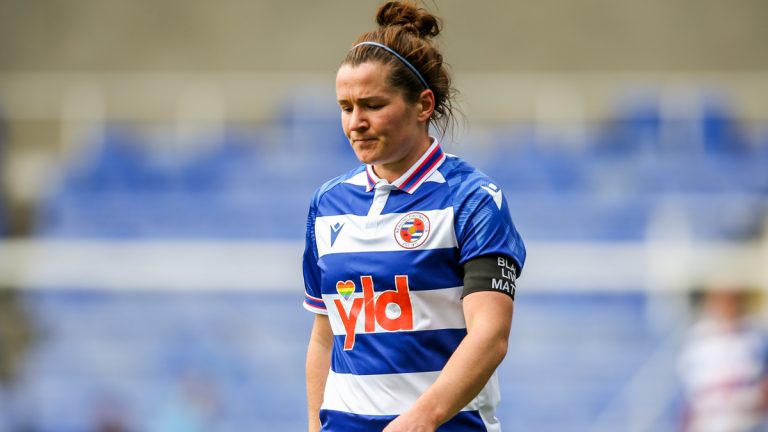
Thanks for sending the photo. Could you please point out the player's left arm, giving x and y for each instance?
(489, 317)
(493, 254)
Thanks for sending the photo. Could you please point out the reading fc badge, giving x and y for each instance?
(412, 230)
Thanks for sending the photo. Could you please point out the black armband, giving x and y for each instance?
(490, 273)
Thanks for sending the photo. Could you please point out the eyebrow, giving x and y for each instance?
(365, 99)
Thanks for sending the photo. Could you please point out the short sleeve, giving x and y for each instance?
(484, 225)
(313, 300)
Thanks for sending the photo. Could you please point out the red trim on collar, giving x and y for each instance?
(416, 174)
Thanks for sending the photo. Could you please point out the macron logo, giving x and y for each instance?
(335, 230)
(495, 193)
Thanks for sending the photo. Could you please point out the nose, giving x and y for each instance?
(358, 121)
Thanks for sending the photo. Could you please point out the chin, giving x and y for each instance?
(366, 157)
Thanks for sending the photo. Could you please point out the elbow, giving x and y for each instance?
(503, 346)
(498, 349)
(492, 342)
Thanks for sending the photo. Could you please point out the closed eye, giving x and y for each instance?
(375, 103)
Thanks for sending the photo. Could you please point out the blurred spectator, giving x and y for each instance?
(16, 334)
(724, 366)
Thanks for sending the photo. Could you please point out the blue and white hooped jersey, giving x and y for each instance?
(384, 262)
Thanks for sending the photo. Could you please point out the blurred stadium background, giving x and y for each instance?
(158, 159)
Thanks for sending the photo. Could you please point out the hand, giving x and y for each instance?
(409, 422)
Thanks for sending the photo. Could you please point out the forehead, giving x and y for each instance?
(363, 80)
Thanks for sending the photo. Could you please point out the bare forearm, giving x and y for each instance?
(463, 377)
(317, 365)
(317, 373)
(465, 374)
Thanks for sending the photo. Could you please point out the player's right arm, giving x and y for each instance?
(318, 364)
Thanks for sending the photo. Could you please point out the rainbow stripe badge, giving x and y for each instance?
(345, 288)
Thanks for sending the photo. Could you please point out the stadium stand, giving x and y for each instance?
(231, 362)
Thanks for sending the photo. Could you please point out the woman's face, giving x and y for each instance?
(383, 128)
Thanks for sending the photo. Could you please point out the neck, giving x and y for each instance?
(392, 171)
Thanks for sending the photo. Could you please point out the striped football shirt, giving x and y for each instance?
(384, 262)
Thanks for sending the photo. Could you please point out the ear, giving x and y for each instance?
(426, 106)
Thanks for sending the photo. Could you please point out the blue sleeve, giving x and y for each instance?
(313, 300)
(484, 225)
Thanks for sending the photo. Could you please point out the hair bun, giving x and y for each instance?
(412, 18)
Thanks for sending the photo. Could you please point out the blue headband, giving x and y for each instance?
(399, 57)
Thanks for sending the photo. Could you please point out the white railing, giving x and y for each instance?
(276, 266)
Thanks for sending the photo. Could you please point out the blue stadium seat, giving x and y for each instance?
(569, 353)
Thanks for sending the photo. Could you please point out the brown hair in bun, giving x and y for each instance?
(409, 30)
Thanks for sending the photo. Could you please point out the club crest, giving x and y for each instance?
(412, 230)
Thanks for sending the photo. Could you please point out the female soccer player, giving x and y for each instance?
(411, 259)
